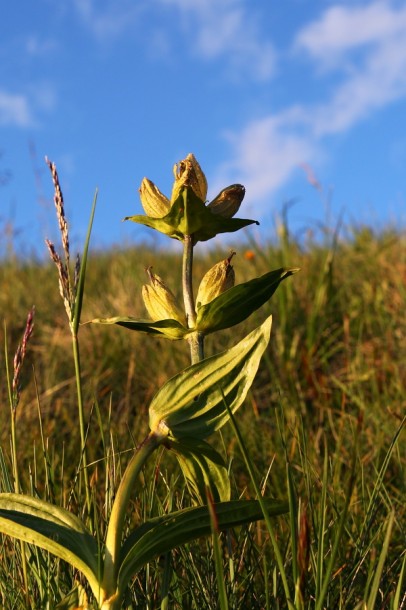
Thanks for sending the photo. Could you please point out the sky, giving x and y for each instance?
(302, 101)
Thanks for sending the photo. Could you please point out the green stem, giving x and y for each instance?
(187, 281)
(78, 375)
(13, 412)
(195, 340)
(196, 344)
(118, 512)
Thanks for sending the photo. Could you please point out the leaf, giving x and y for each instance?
(191, 404)
(51, 528)
(75, 599)
(82, 272)
(171, 329)
(190, 216)
(203, 467)
(239, 302)
(162, 534)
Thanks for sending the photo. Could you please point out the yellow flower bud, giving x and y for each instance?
(218, 279)
(189, 173)
(160, 301)
(228, 201)
(155, 204)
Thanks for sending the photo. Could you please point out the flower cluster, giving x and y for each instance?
(189, 174)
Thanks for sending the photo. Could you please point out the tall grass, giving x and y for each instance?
(322, 427)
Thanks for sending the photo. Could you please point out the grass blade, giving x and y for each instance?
(82, 273)
(262, 503)
(378, 572)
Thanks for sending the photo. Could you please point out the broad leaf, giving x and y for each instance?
(171, 329)
(203, 468)
(191, 404)
(162, 534)
(190, 216)
(51, 528)
(239, 302)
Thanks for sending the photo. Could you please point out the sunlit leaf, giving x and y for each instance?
(171, 329)
(162, 534)
(51, 528)
(190, 216)
(239, 302)
(203, 468)
(191, 404)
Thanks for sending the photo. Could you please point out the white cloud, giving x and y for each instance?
(266, 152)
(229, 30)
(372, 39)
(15, 110)
(215, 29)
(380, 81)
(344, 28)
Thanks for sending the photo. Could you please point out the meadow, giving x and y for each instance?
(322, 426)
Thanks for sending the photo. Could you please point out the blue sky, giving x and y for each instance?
(301, 100)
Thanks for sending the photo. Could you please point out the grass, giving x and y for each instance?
(322, 426)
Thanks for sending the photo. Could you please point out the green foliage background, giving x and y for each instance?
(337, 359)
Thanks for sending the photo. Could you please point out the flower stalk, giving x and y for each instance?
(118, 513)
(196, 339)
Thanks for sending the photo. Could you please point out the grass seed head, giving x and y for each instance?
(60, 210)
(20, 356)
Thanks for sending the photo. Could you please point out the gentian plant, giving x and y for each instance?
(185, 411)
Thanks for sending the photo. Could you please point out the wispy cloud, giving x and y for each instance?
(266, 152)
(367, 44)
(110, 18)
(214, 29)
(15, 110)
(227, 30)
(37, 47)
(344, 28)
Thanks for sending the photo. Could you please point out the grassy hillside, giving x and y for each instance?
(326, 407)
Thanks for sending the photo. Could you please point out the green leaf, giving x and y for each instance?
(238, 303)
(82, 272)
(171, 329)
(77, 598)
(203, 468)
(51, 528)
(162, 534)
(191, 404)
(190, 216)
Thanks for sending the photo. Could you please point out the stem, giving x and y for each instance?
(78, 375)
(187, 281)
(13, 411)
(195, 340)
(118, 512)
(196, 344)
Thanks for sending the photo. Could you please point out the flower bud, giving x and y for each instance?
(218, 279)
(189, 173)
(160, 301)
(228, 201)
(155, 204)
